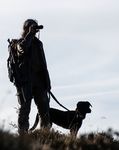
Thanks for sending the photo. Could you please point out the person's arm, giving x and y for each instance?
(44, 68)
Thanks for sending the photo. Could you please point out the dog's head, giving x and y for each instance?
(83, 107)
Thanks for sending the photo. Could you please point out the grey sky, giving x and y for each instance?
(81, 42)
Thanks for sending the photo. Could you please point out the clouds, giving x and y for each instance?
(79, 37)
(83, 6)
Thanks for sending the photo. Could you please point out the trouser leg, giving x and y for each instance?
(24, 99)
(42, 101)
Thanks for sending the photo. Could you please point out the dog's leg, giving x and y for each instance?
(74, 131)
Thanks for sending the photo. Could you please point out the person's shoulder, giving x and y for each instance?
(39, 41)
(20, 40)
(15, 40)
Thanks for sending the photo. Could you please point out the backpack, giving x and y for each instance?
(13, 62)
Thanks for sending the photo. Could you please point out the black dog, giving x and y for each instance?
(68, 119)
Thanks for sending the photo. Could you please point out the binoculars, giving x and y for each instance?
(38, 27)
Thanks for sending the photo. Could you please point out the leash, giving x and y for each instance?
(57, 101)
(37, 116)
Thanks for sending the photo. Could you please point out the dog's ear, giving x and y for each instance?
(89, 104)
(79, 104)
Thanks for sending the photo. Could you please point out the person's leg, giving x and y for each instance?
(42, 101)
(24, 99)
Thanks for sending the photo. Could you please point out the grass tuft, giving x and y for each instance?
(53, 140)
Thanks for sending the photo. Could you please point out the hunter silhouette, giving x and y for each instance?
(34, 80)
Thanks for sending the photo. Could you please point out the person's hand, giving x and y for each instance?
(49, 88)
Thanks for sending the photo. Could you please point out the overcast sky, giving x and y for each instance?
(81, 42)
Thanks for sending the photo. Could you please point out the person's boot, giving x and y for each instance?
(22, 132)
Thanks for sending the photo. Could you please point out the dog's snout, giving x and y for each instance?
(89, 110)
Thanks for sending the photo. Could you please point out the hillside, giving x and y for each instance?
(45, 140)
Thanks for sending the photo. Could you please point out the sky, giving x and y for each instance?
(80, 39)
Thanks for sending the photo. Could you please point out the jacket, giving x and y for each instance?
(33, 66)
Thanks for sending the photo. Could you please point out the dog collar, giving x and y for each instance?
(78, 114)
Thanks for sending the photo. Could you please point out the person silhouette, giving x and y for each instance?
(34, 77)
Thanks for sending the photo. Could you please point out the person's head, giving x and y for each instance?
(28, 23)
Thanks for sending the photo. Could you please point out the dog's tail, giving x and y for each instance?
(35, 123)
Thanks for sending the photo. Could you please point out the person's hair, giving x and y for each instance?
(27, 24)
